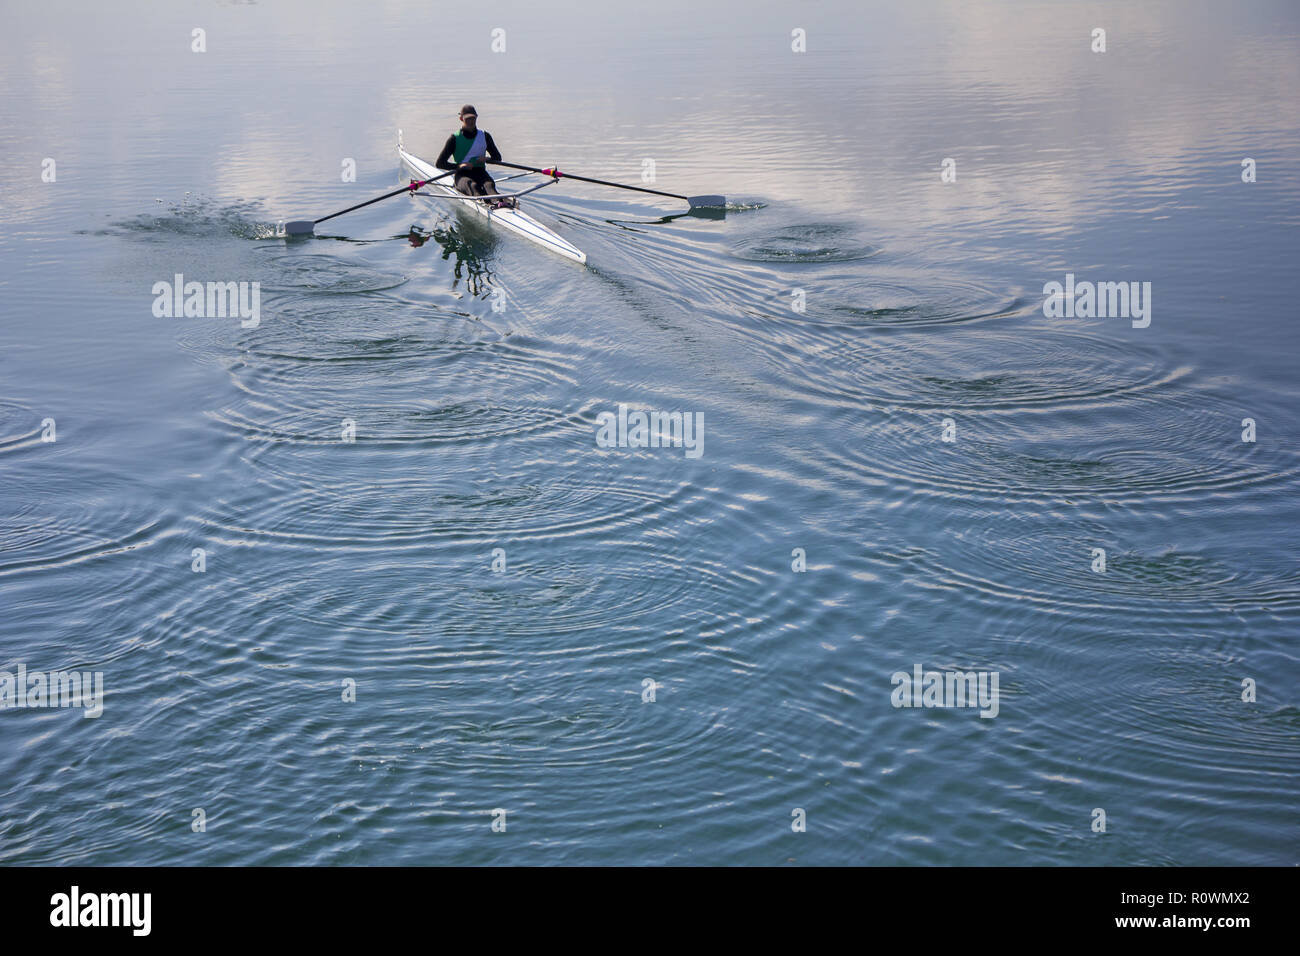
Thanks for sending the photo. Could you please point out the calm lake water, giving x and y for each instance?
(905, 462)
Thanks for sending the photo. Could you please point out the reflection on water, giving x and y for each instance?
(471, 271)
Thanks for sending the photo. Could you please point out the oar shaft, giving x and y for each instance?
(598, 182)
(368, 202)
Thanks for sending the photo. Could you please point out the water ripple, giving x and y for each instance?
(807, 242)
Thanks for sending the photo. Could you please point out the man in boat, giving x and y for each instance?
(465, 151)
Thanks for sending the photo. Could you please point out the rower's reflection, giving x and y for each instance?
(470, 267)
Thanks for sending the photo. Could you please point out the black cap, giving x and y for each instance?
(468, 109)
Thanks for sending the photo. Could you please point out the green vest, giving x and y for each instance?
(463, 144)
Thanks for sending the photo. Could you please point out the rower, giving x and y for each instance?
(465, 151)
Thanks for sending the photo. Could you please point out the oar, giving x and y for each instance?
(696, 202)
(304, 227)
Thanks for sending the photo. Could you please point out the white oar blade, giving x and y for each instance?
(300, 227)
(707, 202)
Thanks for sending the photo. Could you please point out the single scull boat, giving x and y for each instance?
(518, 222)
(513, 219)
